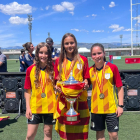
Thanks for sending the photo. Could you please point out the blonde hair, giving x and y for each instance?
(76, 56)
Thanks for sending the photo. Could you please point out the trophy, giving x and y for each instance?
(72, 117)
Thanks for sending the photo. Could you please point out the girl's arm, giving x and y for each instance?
(120, 95)
(27, 95)
(119, 111)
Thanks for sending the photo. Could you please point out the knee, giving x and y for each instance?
(48, 132)
(113, 135)
(30, 136)
(100, 134)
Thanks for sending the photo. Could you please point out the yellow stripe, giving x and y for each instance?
(84, 113)
(71, 128)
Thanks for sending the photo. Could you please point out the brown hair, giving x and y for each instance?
(75, 54)
(98, 45)
(49, 65)
(27, 45)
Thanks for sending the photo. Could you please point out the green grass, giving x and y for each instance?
(121, 63)
(16, 130)
(13, 66)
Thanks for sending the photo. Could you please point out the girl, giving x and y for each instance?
(39, 94)
(29, 57)
(104, 104)
(68, 61)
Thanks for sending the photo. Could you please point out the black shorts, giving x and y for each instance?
(42, 118)
(98, 122)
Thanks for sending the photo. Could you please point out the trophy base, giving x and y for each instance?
(71, 119)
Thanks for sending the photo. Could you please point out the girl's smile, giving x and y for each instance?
(69, 45)
(43, 55)
(98, 56)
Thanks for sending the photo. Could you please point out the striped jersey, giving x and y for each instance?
(38, 104)
(79, 131)
(111, 80)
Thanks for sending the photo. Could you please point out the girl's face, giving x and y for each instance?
(31, 49)
(97, 55)
(43, 55)
(69, 45)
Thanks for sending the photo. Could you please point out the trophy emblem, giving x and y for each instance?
(72, 117)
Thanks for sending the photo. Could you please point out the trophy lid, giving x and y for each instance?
(71, 80)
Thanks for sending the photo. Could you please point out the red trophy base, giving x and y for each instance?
(71, 119)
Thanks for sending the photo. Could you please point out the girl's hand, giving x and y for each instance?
(58, 89)
(28, 113)
(119, 111)
(86, 86)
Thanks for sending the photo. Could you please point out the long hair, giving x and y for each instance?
(27, 45)
(49, 65)
(98, 45)
(63, 54)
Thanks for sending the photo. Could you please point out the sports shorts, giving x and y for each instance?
(41, 118)
(98, 122)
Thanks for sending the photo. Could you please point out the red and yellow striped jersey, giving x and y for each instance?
(79, 131)
(111, 78)
(38, 104)
(80, 71)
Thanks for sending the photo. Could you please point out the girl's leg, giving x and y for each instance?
(113, 135)
(100, 135)
(31, 131)
(48, 132)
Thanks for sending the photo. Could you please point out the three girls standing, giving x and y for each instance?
(104, 105)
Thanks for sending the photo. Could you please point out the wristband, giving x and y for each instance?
(121, 106)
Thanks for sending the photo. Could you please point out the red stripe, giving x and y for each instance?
(73, 136)
(58, 109)
(83, 121)
(81, 105)
(75, 86)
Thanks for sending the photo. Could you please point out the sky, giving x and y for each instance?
(91, 21)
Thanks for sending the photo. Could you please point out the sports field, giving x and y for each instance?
(16, 130)
(13, 65)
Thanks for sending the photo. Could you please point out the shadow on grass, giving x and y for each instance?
(6, 123)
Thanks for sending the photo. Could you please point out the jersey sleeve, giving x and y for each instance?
(86, 68)
(90, 75)
(21, 58)
(27, 84)
(116, 77)
(56, 69)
